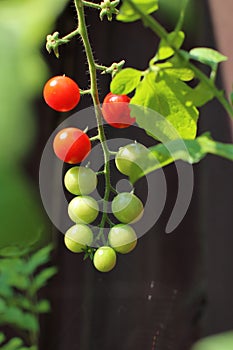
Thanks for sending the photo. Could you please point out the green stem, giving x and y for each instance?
(71, 35)
(99, 67)
(180, 22)
(150, 22)
(82, 28)
(91, 4)
(85, 92)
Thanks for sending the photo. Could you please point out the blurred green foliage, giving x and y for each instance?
(223, 341)
(20, 279)
(170, 11)
(24, 25)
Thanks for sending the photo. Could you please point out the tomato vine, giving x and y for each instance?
(162, 90)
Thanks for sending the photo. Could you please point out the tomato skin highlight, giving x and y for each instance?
(116, 111)
(71, 145)
(61, 93)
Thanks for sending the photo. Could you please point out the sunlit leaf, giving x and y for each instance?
(127, 14)
(191, 151)
(200, 95)
(165, 94)
(166, 49)
(207, 56)
(125, 81)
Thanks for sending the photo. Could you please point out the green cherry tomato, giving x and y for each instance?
(77, 237)
(61, 93)
(71, 145)
(132, 158)
(122, 238)
(83, 209)
(127, 207)
(104, 259)
(80, 180)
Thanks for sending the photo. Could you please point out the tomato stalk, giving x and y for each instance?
(82, 29)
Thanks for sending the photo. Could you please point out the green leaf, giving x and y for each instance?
(223, 341)
(165, 50)
(12, 273)
(41, 279)
(127, 14)
(14, 251)
(42, 306)
(14, 316)
(191, 151)
(125, 81)
(200, 95)
(231, 98)
(182, 73)
(37, 259)
(13, 344)
(2, 338)
(207, 56)
(174, 117)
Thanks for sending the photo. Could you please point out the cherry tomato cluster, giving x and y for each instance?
(72, 145)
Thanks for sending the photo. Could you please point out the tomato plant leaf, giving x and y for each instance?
(42, 306)
(207, 56)
(200, 95)
(182, 73)
(13, 344)
(15, 316)
(127, 14)
(191, 151)
(223, 341)
(174, 117)
(165, 50)
(37, 259)
(2, 338)
(41, 279)
(125, 81)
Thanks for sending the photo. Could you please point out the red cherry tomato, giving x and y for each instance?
(116, 111)
(61, 93)
(71, 145)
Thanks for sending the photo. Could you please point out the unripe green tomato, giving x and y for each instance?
(80, 180)
(132, 159)
(127, 207)
(77, 237)
(83, 209)
(104, 259)
(122, 238)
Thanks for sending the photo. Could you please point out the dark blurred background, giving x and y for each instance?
(172, 289)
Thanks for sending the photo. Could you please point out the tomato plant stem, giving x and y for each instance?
(91, 4)
(82, 28)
